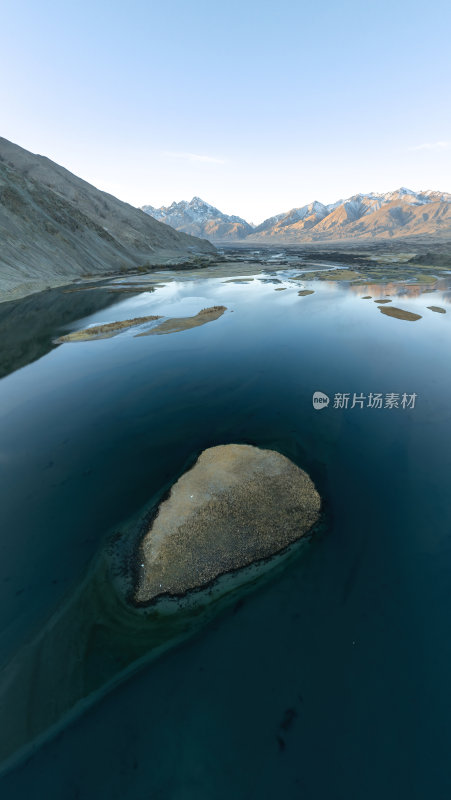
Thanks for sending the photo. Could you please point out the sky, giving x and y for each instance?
(256, 107)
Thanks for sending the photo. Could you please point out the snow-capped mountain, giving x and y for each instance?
(372, 215)
(202, 218)
(304, 217)
(386, 215)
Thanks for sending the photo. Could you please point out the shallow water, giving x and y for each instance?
(332, 681)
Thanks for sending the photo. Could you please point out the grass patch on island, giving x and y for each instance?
(104, 331)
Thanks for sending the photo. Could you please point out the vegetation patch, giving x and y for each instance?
(104, 331)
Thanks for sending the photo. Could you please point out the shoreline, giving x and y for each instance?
(28, 288)
(230, 257)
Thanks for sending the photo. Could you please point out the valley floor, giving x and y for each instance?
(390, 259)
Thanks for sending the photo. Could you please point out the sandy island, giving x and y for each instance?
(104, 331)
(399, 313)
(177, 324)
(109, 329)
(237, 505)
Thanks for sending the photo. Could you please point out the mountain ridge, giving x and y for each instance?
(394, 214)
(55, 227)
(201, 219)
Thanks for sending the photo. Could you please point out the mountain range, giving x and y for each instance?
(201, 219)
(56, 227)
(401, 213)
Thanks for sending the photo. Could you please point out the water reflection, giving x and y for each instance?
(28, 326)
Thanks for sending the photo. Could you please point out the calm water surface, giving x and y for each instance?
(330, 682)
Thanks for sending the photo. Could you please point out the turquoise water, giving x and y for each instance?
(332, 681)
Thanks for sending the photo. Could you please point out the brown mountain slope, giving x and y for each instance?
(393, 220)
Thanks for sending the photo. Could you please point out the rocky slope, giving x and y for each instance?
(201, 219)
(303, 218)
(393, 215)
(402, 213)
(55, 227)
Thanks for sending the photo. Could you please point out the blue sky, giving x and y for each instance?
(255, 107)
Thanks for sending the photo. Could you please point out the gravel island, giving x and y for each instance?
(238, 504)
